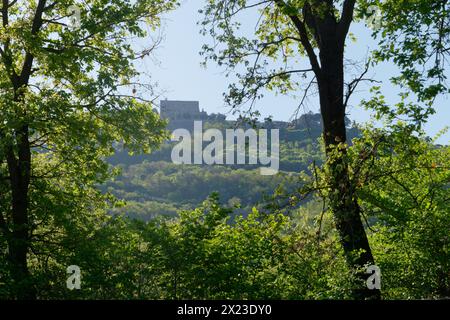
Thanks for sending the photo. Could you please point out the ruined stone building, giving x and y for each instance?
(181, 110)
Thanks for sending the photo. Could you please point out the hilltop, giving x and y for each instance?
(152, 185)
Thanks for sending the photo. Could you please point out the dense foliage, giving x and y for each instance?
(291, 252)
(139, 227)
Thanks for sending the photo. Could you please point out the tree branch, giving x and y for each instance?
(304, 39)
(28, 62)
(346, 19)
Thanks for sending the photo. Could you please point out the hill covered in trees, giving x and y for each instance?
(153, 185)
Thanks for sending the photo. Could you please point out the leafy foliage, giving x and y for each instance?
(65, 105)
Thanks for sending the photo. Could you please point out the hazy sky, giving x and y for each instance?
(176, 67)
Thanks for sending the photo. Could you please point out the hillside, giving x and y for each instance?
(152, 185)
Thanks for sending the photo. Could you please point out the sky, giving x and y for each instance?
(175, 66)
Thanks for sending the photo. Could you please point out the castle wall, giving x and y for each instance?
(180, 110)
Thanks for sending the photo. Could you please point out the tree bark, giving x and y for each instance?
(342, 201)
(18, 157)
(19, 167)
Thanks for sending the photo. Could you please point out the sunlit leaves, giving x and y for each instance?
(73, 90)
(415, 36)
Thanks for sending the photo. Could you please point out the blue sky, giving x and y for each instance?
(176, 67)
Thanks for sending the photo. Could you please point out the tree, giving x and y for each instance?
(68, 92)
(413, 35)
(285, 31)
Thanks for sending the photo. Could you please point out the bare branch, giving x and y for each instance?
(354, 84)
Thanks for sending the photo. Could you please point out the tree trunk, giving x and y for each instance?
(329, 36)
(342, 200)
(19, 167)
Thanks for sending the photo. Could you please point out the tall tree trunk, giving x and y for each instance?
(319, 24)
(343, 202)
(19, 167)
(18, 157)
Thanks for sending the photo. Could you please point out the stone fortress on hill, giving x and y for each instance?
(182, 114)
(181, 110)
